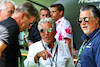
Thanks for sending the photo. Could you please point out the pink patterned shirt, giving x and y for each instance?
(64, 30)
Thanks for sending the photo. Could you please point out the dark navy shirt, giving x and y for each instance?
(90, 57)
(34, 34)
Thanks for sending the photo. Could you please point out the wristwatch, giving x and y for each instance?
(38, 59)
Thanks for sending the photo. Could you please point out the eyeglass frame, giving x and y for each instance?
(30, 20)
(47, 30)
(84, 19)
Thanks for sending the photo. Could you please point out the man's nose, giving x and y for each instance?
(46, 32)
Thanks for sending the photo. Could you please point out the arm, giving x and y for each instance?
(68, 42)
(32, 60)
(2, 47)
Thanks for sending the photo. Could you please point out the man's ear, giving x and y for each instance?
(0, 12)
(22, 15)
(97, 20)
(61, 12)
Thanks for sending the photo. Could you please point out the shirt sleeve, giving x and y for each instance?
(29, 61)
(97, 53)
(7, 34)
(66, 29)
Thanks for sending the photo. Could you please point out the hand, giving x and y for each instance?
(44, 54)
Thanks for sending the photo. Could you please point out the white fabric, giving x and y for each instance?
(64, 58)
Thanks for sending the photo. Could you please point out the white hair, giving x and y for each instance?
(46, 20)
(4, 2)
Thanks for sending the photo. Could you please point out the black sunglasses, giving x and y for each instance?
(86, 19)
(44, 30)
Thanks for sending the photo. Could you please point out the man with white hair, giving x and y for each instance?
(7, 9)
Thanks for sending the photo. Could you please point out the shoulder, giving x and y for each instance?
(96, 41)
(34, 45)
(61, 44)
(97, 38)
(64, 21)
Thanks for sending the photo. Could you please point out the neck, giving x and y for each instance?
(59, 18)
(52, 44)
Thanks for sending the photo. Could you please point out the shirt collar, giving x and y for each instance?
(90, 35)
(46, 44)
(59, 20)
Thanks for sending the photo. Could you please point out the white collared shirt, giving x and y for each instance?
(63, 56)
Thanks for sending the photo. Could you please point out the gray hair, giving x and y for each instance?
(28, 8)
(46, 20)
(3, 4)
(94, 11)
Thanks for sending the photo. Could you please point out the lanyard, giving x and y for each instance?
(82, 48)
(84, 44)
(54, 56)
(51, 60)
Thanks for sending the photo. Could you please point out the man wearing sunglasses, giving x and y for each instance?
(35, 36)
(48, 52)
(89, 52)
(24, 14)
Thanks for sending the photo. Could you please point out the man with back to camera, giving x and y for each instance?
(35, 36)
(89, 52)
(63, 26)
(9, 31)
(7, 9)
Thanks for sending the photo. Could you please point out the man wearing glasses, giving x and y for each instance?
(89, 52)
(24, 15)
(48, 52)
(7, 9)
(35, 36)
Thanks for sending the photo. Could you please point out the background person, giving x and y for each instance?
(9, 30)
(35, 36)
(7, 9)
(63, 26)
(48, 52)
(89, 52)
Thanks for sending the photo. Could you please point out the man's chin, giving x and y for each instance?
(86, 31)
(47, 41)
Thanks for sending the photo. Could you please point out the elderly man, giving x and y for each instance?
(89, 52)
(9, 30)
(48, 52)
(7, 9)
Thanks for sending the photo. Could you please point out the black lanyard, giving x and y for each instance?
(51, 61)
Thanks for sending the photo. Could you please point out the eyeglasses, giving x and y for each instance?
(44, 30)
(30, 20)
(86, 19)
